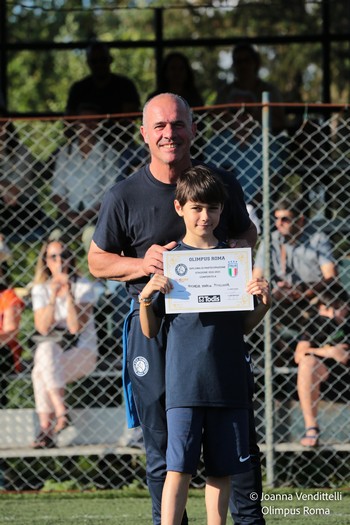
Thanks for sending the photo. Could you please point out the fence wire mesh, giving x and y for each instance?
(53, 174)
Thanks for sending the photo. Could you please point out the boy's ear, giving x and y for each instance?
(178, 208)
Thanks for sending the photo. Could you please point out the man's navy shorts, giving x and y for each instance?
(223, 432)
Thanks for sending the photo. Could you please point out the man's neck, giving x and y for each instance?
(168, 173)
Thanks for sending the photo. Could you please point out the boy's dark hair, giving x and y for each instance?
(199, 184)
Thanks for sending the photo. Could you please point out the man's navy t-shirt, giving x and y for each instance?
(139, 211)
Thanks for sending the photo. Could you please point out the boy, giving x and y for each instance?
(210, 405)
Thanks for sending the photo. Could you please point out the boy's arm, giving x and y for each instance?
(259, 288)
(150, 323)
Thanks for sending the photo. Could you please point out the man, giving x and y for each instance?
(111, 92)
(137, 222)
(247, 85)
(301, 260)
(83, 168)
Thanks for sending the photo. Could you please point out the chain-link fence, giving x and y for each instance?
(53, 171)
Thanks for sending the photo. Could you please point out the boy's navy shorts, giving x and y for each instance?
(223, 432)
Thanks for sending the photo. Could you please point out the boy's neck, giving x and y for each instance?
(202, 243)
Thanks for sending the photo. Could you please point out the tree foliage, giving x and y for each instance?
(38, 80)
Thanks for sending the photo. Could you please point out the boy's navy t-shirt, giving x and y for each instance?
(205, 357)
(139, 211)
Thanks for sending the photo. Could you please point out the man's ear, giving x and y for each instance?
(194, 130)
(144, 134)
(178, 208)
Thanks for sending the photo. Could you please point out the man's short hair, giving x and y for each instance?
(294, 203)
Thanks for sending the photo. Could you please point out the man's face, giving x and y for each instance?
(286, 223)
(168, 130)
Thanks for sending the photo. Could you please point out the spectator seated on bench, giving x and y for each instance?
(11, 307)
(66, 341)
(322, 357)
(302, 261)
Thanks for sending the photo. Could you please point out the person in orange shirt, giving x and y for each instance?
(11, 307)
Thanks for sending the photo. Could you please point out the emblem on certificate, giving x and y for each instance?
(208, 280)
(232, 268)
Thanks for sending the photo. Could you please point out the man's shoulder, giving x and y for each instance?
(313, 235)
(131, 183)
(82, 83)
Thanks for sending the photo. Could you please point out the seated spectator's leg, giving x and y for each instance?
(311, 373)
(77, 363)
(48, 382)
(43, 405)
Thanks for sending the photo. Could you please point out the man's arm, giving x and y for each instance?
(116, 266)
(329, 270)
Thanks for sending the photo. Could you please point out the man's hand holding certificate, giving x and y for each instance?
(208, 280)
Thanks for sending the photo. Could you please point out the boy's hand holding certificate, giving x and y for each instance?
(208, 280)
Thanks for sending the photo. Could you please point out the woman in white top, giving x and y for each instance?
(67, 340)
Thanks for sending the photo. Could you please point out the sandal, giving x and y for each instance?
(311, 437)
(62, 422)
(43, 440)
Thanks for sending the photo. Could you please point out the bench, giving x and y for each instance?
(93, 431)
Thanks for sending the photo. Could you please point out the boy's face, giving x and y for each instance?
(200, 219)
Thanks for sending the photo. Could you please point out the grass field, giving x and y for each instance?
(132, 507)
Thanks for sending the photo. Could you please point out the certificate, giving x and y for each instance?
(208, 280)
